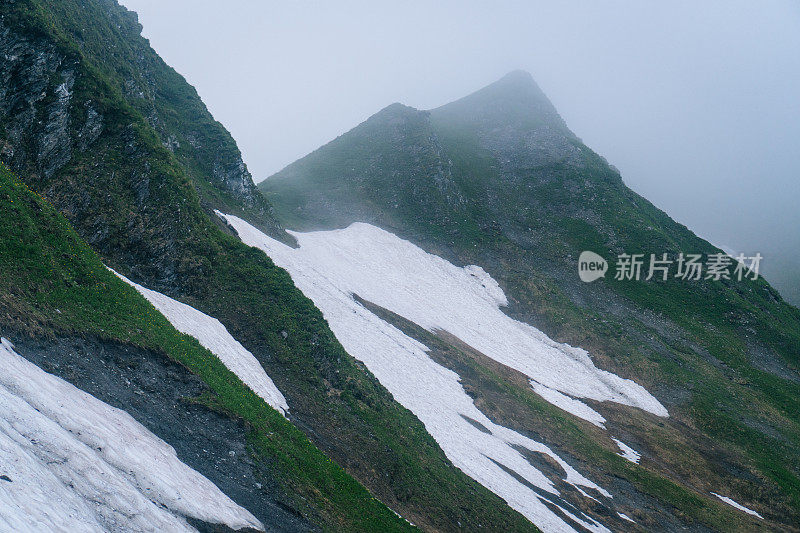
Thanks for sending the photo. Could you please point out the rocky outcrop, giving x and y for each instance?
(35, 104)
(184, 123)
(45, 122)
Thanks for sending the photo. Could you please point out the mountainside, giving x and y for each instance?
(55, 40)
(497, 180)
(121, 145)
(70, 315)
(437, 365)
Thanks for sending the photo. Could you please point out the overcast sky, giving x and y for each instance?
(697, 103)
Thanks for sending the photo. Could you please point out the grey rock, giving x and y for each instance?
(91, 129)
(55, 142)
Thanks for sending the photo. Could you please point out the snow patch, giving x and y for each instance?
(212, 335)
(627, 452)
(570, 405)
(375, 265)
(626, 517)
(76, 462)
(431, 292)
(738, 505)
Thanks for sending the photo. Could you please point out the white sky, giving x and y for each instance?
(697, 103)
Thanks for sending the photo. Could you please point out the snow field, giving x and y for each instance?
(431, 292)
(75, 463)
(330, 267)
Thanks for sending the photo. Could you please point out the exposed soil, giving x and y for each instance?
(159, 394)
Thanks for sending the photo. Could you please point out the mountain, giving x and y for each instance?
(429, 357)
(497, 180)
(71, 316)
(121, 147)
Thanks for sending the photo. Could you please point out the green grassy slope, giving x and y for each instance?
(144, 208)
(525, 197)
(54, 284)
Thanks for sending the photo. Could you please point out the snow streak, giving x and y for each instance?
(213, 336)
(627, 452)
(738, 505)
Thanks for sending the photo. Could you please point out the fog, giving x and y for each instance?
(697, 104)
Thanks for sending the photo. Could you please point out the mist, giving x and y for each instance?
(697, 104)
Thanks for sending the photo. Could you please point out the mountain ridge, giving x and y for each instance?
(532, 197)
(128, 160)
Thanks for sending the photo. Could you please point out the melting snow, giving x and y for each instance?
(329, 267)
(627, 452)
(738, 505)
(75, 462)
(431, 292)
(571, 405)
(212, 335)
(626, 517)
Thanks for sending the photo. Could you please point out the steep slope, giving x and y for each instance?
(497, 180)
(70, 315)
(111, 36)
(87, 113)
(342, 270)
(75, 461)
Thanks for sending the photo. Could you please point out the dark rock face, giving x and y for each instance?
(46, 121)
(37, 104)
(91, 129)
(34, 103)
(65, 130)
(55, 142)
(235, 177)
(161, 395)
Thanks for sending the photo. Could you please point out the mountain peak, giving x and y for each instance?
(515, 101)
(397, 111)
(394, 121)
(519, 78)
